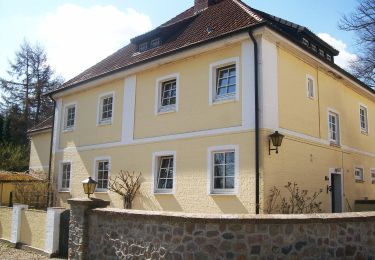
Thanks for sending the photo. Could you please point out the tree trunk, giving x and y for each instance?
(127, 202)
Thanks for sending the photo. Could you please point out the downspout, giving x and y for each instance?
(257, 134)
(50, 151)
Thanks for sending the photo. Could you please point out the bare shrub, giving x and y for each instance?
(34, 194)
(126, 184)
(296, 201)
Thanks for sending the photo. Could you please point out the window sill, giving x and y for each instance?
(364, 132)
(102, 191)
(217, 193)
(223, 100)
(167, 110)
(64, 191)
(359, 181)
(167, 192)
(67, 130)
(334, 144)
(105, 123)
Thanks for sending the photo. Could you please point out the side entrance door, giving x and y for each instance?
(336, 192)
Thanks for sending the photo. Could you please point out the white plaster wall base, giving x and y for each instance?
(16, 222)
(52, 230)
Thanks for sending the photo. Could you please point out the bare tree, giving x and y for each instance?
(126, 184)
(362, 23)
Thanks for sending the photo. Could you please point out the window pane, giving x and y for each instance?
(163, 173)
(229, 170)
(219, 170)
(218, 183)
(219, 158)
(169, 184)
(164, 162)
(229, 157)
(229, 183)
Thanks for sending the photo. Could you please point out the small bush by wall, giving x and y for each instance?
(122, 234)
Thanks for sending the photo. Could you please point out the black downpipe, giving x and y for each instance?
(50, 152)
(256, 102)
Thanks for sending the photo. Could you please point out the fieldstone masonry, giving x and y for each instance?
(129, 234)
(79, 225)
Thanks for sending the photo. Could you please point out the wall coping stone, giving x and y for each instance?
(238, 218)
(88, 202)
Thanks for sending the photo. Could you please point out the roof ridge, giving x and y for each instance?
(247, 8)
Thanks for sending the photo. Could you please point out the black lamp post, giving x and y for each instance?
(276, 139)
(89, 186)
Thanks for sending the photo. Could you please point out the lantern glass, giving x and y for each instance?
(89, 186)
(277, 139)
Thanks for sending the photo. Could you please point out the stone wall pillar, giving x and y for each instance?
(16, 222)
(79, 226)
(51, 244)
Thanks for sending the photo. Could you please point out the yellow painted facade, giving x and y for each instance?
(39, 150)
(306, 156)
(6, 222)
(33, 234)
(5, 190)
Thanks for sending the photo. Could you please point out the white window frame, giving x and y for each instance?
(100, 120)
(159, 109)
(65, 119)
(366, 129)
(212, 96)
(372, 171)
(338, 127)
(155, 171)
(363, 174)
(210, 170)
(61, 168)
(310, 94)
(158, 40)
(143, 47)
(95, 174)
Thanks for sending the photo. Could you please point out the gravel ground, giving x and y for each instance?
(8, 252)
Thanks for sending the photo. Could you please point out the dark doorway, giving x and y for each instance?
(336, 192)
(64, 233)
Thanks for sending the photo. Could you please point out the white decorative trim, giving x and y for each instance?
(158, 88)
(60, 174)
(155, 170)
(308, 76)
(57, 126)
(212, 99)
(210, 151)
(248, 85)
(248, 11)
(268, 85)
(95, 173)
(130, 84)
(99, 121)
(64, 127)
(51, 243)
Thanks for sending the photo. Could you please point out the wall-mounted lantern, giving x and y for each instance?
(89, 186)
(276, 139)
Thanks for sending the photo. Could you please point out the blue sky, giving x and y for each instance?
(79, 33)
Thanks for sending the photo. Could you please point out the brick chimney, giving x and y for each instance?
(201, 5)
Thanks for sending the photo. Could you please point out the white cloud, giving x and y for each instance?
(76, 37)
(345, 56)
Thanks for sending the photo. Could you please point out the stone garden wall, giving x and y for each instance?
(121, 234)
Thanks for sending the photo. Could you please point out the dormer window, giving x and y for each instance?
(143, 47)
(329, 57)
(314, 48)
(155, 43)
(321, 52)
(305, 41)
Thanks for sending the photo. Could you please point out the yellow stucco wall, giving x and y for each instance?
(191, 174)
(5, 222)
(33, 228)
(86, 131)
(39, 151)
(194, 112)
(5, 190)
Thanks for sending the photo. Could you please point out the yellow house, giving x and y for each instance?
(192, 103)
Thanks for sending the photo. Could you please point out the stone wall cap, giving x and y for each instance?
(266, 218)
(88, 201)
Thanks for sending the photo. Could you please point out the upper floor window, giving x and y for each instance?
(321, 52)
(314, 48)
(105, 109)
(358, 174)
(310, 86)
(334, 128)
(167, 94)
(65, 174)
(363, 119)
(372, 172)
(143, 46)
(70, 117)
(223, 169)
(305, 41)
(155, 43)
(224, 81)
(164, 172)
(102, 168)
(329, 57)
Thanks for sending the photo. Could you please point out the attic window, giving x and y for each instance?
(329, 57)
(305, 41)
(143, 47)
(314, 48)
(155, 43)
(321, 52)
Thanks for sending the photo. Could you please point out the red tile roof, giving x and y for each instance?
(44, 125)
(189, 29)
(6, 176)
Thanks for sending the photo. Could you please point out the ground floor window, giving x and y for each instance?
(65, 176)
(164, 172)
(358, 174)
(102, 174)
